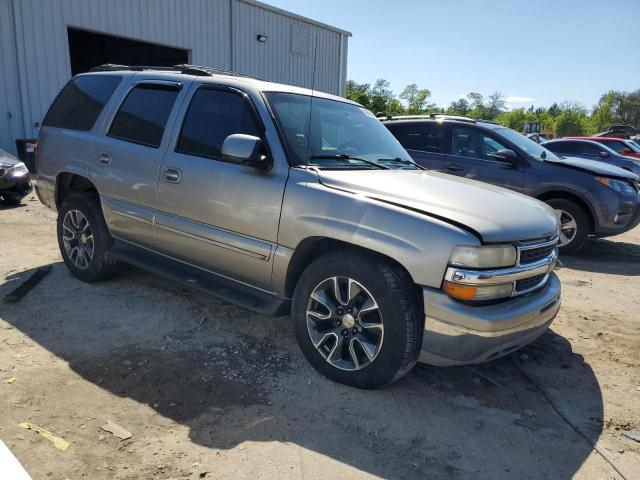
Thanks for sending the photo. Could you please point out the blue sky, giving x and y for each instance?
(535, 52)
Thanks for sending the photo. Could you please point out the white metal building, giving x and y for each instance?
(42, 43)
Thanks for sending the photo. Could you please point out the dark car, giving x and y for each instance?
(14, 179)
(592, 150)
(589, 197)
(624, 128)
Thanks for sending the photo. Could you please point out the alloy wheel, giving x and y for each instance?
(344, 323)
(568, 227)
(77, 238)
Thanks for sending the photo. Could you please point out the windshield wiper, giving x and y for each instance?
(398, 160)
(344, 156)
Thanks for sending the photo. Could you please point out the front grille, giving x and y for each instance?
(528, 283)
(532, 255)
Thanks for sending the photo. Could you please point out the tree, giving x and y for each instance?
(359, 92)
(571, 122)
(381, 95)
(416, 99)
(495, 105)
(554, 110)
(459, 107)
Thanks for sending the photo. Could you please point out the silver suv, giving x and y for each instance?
(281, 199)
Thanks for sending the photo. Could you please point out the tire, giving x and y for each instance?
(398, 341)
(99, 265)
(568, 210)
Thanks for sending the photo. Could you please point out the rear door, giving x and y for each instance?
(127, 156)
(472, 153)
(424, 141)
(211, 213)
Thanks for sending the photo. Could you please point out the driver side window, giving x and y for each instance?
(472, 143)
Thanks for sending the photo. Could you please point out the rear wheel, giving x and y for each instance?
(574, 224)
(84, 239)
(357, 319)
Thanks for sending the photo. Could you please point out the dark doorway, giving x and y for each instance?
(89, 49)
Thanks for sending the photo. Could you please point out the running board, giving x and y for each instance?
(201, 280)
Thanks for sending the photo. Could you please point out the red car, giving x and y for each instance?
(626, 148)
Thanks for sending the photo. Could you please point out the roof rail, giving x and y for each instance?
(487, 121)
(431, 116)
(185, 69)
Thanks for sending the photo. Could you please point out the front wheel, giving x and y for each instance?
(357, 319)
(574, 224)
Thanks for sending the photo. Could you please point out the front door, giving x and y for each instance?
(214, 214)
(473, 154)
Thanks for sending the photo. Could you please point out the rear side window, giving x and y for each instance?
(143, 115)
(426, 137)
(562, 147)
(79, 104)
(212, 116)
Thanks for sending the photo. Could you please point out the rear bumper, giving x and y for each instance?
(459, 334)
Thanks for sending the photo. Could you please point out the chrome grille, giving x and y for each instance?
(529, 283)
(531, 255)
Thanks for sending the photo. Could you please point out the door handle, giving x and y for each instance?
(172, 175)
(104, 158)
(454, 167)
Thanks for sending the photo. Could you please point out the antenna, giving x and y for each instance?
(313, 84)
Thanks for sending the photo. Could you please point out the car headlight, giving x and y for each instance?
(18, 170)
(487, 256)
(617, 185)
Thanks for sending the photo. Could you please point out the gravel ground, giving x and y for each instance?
(211, 391)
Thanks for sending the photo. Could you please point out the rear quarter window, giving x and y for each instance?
(80, 102)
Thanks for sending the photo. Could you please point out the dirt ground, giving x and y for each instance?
(211, 391)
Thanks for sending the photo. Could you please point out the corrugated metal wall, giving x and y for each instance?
(34, 49)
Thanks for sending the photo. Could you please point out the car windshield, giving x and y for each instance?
(532, 148)
(634, 146)
(333, 134)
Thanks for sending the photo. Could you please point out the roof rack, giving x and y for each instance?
(487, 121)
(431, 116)
(185, 69)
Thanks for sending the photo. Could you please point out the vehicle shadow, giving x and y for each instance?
(233, 377)
(606, 256)
(4, 205)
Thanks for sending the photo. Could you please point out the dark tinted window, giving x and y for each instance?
(80, 102)
(590, 149)
(143, 115)
(212, 116)
(426, 137)
(466, 142)
(562, 147)
(616, 145)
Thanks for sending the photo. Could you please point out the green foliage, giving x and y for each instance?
(563, 119)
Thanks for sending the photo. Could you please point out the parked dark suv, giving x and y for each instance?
(589, 197)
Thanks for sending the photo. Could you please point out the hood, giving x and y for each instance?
(7, 160)
(593, 166)
(495, 214)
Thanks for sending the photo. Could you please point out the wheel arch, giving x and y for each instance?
(574, 197)
(312, 248)
(68, 182)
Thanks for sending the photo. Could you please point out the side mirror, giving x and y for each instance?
(604, 154)
(506, 154)
(245, 150)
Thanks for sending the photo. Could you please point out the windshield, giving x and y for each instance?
(334, 134)
(526, 144)
(634, 146)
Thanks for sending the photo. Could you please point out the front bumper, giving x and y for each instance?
(457, 334)
(15, 187)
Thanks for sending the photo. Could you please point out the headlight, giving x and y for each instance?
(489, 256)
(18, 170)
(617, 185)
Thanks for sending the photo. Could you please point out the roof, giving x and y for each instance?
(597, 139)
(438, 117)
(204, 73)
(297, 17)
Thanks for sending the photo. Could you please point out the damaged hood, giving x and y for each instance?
(495, 214)
(593, 166)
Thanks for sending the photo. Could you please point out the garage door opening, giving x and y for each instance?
(89, 49)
